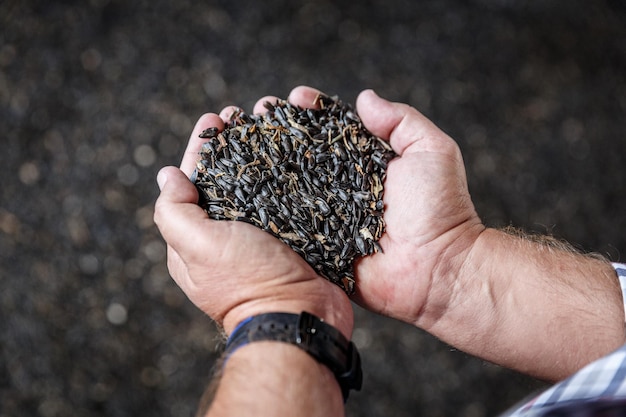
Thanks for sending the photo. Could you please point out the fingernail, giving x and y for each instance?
(161, 179)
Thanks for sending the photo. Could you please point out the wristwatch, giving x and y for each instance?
(322, 341)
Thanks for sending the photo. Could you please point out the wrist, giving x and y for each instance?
(448, 275)
(319, 297)
(309, 333)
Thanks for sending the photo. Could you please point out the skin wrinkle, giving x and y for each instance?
(444, 270)
(407, 270)
(400, 147)
(460, 285)
(463, 291)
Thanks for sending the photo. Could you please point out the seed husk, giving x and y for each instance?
(313, 178)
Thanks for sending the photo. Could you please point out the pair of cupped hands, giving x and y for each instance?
(232, 270)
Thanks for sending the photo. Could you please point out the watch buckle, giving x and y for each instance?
(306, 328)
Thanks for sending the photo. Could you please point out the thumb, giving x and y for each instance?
(176, 212)
(406, 129)
(175, 186)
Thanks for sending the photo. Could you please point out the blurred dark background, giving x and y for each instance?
(96, 96)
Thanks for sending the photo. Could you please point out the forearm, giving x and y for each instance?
(276, 379)
(533, 306)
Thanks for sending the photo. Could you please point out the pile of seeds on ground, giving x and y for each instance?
(311, 177)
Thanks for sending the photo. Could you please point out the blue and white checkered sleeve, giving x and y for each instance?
(621, 274)
(598, 387)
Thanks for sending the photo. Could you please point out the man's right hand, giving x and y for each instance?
(430, 220)
(531, 305)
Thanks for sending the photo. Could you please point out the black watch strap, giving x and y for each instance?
(322, 341)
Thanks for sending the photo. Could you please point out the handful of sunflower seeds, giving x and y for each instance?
(313, 178)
